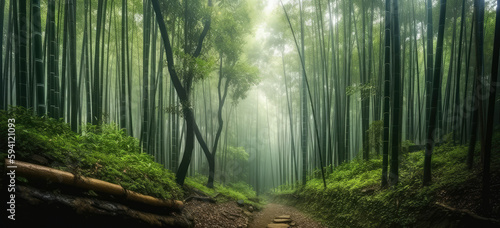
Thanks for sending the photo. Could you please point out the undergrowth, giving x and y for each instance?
(230, 192)
(353, 197)
(103, 152)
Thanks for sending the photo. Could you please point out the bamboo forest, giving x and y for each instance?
(250, 113)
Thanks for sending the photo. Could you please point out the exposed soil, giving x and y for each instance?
(220, 215)
(263, 218)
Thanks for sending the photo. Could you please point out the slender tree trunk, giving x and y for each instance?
(436, 87)
(16, 72)
(51, 62)
(3, 77)
(289, 105)
(396, 105)
(123, 72)
(456, 124)
(22, 88)
(62, 98)
(37, 52)
(88, 64)
(387, 86)
(429, 67)
(222, 98)
(96, 103)
(447, 96)
(145, 76)
(74, 95)
(257, 152)
(303, 103)
(129, 74)
(473, 124)
(365, 99)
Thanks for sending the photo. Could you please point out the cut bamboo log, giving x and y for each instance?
(282, 220)
(277, 225)
(29, 170)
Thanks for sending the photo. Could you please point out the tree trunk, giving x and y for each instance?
(429, 67)
(222, 99)
(96, 88)
(456, 124)
(38, 55)
(436, 88)
(75, 94)
(387, 87)
(145, 76)
(22, 88)
(396, 105)
(182, 92)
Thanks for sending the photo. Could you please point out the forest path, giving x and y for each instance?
(271, 211)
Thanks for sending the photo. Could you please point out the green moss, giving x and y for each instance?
(105, 153)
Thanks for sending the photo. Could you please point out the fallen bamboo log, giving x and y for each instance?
(278, 225)
(467, 212)
(282, 217)
(49, 174)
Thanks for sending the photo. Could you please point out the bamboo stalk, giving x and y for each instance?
(49, 174)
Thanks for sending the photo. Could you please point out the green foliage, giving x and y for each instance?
(376, 130)
(199, 67)
(236, 160)
(405, 145)
(231, 192)
(230, 25)
(354, 198)
(103, 152)
(366, 89)
(237, 154)
(242, 76)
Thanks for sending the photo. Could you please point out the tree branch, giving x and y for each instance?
(203, 33)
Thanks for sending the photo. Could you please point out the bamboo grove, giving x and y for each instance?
(404, 91)
(272, 93)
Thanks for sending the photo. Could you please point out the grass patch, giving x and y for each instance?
(224, 193)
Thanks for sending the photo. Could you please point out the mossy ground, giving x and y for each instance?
(229, 192)
(105, 152)
(354, 198)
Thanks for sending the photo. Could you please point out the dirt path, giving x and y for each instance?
(211, 215)
(266, 216)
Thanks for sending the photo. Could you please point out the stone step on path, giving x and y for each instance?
(281, 221)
